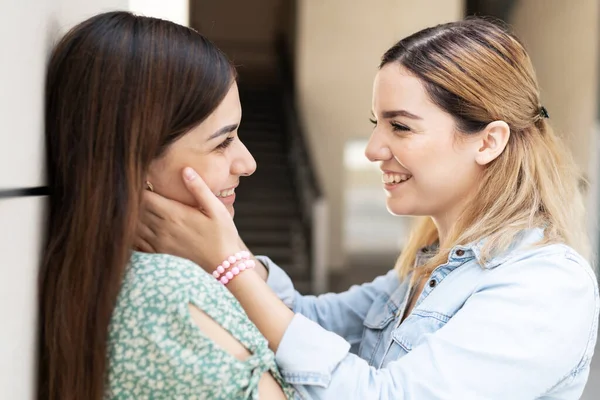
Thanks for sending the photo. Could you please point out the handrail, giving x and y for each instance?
(287, 80)
(313, 204)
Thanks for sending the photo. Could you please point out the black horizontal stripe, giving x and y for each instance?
(24, 192)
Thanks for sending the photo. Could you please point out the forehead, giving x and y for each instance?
(228, 112)
(229, 109)
(396, 88)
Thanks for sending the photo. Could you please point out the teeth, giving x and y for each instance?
(225, 193)
(394, 178)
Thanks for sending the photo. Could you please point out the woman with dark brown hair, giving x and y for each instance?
(130, 100)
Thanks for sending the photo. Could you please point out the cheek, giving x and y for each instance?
(448, 175)
(436, 165)
(166, 175)
(418, 155)
(213, 173)
(168, 182)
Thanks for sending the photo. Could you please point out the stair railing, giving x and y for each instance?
(313, 203)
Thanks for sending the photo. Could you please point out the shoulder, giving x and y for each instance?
(556, 287)
(156, 295)
(165, 265)
(551, 264)
(165, 271)
(162, 283)
(551, 269)
(550, 294)
(152, 329)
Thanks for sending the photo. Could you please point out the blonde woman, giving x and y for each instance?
(490, 299)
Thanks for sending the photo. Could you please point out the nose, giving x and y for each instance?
(244, 164)
(377, 149)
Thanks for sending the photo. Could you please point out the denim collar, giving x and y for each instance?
(524, 239)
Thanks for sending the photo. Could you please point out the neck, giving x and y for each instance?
(442, 228)
(445, 222)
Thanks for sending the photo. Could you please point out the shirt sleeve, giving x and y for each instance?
(341, 313)
(509, 341)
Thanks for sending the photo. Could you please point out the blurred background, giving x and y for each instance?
(315, 204)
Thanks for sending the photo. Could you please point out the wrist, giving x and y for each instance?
(232, 266)
(244, 282)
(221, 256)
(260, 269)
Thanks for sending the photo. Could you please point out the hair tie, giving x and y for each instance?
(544, 112)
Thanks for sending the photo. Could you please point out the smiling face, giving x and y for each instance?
(426, 168)
(213, 149)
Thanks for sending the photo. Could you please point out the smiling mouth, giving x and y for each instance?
(394, 179)
(225, 193)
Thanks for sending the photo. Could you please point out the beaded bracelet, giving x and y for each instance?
(232, 267)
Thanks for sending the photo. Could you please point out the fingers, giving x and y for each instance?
(144, 237)
(142, 245)
(155, 205)
(205, 198)
(146, 232)
(149, 214)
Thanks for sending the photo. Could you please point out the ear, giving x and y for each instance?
(493, 140)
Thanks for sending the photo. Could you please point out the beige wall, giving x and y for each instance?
(339, 44)
(562, 39)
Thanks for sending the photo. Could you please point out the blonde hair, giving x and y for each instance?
(479, 72)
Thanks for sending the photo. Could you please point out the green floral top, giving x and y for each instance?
(157, 352)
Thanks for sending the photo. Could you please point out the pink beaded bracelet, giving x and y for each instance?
(232, 266)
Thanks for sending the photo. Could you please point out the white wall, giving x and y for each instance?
(19, 247)
(172, 10)
(28, 29)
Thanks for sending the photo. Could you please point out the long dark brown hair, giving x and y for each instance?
(120, 89)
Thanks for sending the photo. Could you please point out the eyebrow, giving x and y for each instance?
(224, 131)
(399, 113)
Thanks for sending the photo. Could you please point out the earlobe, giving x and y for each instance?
(494, 139)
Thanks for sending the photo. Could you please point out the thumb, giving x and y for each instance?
(202, 194)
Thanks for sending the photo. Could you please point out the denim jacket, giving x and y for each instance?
(521, 326)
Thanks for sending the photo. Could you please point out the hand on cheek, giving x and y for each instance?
(204, 233)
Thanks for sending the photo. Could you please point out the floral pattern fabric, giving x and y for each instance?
(157, 352)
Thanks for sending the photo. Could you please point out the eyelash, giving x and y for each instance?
(225, 144)
(396, 126)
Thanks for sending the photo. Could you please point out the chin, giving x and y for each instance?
(231, 211)
(400, 208)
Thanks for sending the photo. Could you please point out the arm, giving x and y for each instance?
(268, 388)
(214, 228)
(167, 226)
(261, 268)
(212, 225)
(341, 313)
(523, 333)
(507, 341)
